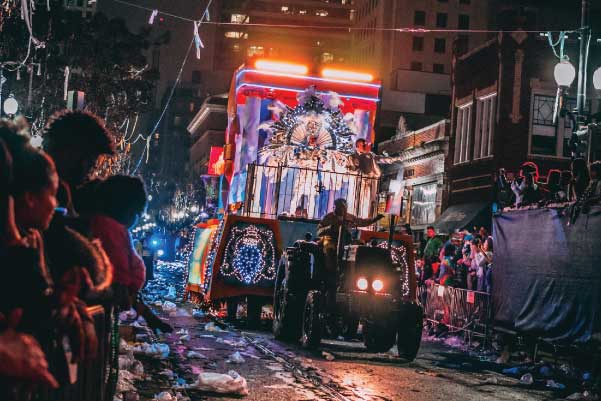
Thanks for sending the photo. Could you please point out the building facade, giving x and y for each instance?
(318, 44)
(415, 66)
(503, 114)
(422, 165)
(207, 129)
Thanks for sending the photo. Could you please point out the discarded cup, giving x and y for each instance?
(527, 379)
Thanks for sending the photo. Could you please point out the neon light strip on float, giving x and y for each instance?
(343, 74)
(370, 99)
(320, 79)
(279, 66)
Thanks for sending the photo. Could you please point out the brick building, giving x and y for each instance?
(423, 153)
(502, 115)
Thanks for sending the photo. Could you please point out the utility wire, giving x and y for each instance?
(175, 84)
(341, 27)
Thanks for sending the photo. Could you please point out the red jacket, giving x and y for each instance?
(116, 240)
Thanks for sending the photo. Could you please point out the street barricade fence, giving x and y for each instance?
(92, 375)
(456, 308)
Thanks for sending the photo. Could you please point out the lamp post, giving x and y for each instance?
(10, 105)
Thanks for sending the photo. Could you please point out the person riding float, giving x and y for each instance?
(333, 231)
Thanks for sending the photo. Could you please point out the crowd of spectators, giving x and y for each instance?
(464, 261)
(579, 184)
(65, 245)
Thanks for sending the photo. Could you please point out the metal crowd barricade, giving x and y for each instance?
(91, 375)
(458, 309)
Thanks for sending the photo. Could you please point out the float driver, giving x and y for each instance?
(328, 230)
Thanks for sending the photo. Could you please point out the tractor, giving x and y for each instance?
(375, 287)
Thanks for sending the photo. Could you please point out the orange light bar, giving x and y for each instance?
(279, 66)
(350, 75)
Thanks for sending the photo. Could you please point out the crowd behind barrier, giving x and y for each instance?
(73, 265)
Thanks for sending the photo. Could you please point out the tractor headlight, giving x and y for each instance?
(377, 285)
(362, 284)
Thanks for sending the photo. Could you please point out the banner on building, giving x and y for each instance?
(216, 163)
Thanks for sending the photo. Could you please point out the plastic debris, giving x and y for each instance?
(586, 376)
(527, 379)
(575, 396)
(211, 326)
(194, 354)
(167, 373)
(171, 294)
(545, 371)
(511, 371)
(491, 380)
(236, 358)
(182, 313)
(157, 350)
(555, 385)
(169, 306)
(164, 396)
(230, 383)
(328, 356)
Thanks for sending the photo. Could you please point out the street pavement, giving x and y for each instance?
(339, 370)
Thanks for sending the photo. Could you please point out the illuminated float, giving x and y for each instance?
(286, 159)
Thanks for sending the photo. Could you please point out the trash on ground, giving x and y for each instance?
(169, 306)
(194, 354)
(328, 356)
(157, 350)
(236, 358)
(230, 383)
(211, 326)
(527, 379)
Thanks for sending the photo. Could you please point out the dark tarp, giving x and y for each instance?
(465, 215)
(546, 274)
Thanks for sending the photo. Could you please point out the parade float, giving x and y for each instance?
(286, 159)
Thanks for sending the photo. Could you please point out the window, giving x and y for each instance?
(255, 51)
(438, 68)
(418, 44)
(462, 44)
(462, 133)
(327, 57)
(423, 204)
(285, 9)
(419, 18)
(440, 45)
(302, 12)
(236, 35)
(464, 21)
(442, 20)
(321, 13)
(408, 173)
(485, 123)
(416, 66)
(239, 19)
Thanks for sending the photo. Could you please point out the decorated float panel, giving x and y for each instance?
(287, 157)
(290, 136)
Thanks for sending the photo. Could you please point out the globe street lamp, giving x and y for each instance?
(564, 74)
(11, 106)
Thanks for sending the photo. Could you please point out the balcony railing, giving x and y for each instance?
(274, 191)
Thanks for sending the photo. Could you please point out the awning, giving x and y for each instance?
(465, 215)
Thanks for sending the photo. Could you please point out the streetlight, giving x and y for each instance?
(564, 74)
(11, 106)
(597, 79)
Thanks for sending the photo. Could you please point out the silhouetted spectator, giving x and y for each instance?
(580, 178)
